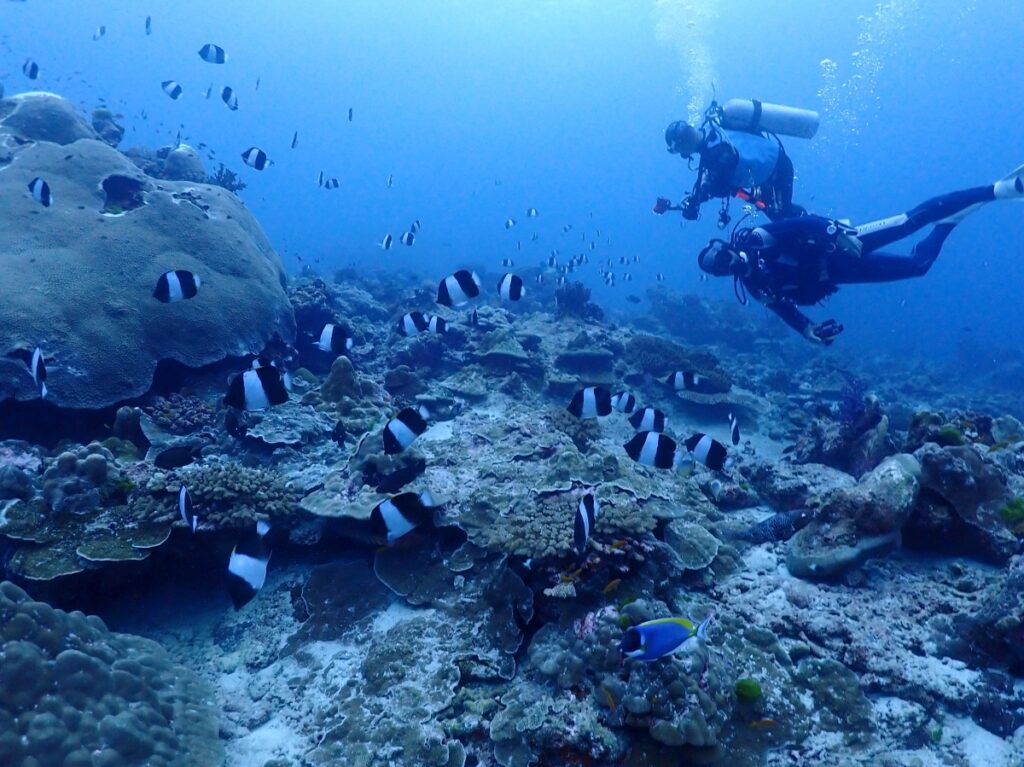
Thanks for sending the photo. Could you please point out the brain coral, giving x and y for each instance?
(79, 275)
(74, 694)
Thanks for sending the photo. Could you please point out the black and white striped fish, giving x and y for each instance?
(385, 244)
(707, 450)
(531, 213)
(401, 514)
(40, 191)
(247, 567)
(412, 323)
(172, 89)
(586, 517)
(591, 402)
(408, 238)
(458, 289)
(177, 285)
(256, 158)
(650, 448)
(229, 97)
(212, 54)
(30, 69)
(649, 419)
(509, 223)
(624, 402)
(437, 325)
(734, 429)
(36, 364)
(510, 287)
(185, 509)
(257, 389)
(402, 430)
(100, 32)
(334, 338)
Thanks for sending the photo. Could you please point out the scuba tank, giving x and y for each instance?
(753, 116)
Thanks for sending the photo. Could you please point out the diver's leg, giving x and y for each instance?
(883, 267)
(949, 208)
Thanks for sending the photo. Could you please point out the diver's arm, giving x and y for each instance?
(822, 333)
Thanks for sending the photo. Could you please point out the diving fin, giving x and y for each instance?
(1011, 186)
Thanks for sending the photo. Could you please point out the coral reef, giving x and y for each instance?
(659, 356)
(573, 300)
(181, 413)
(73, 693)
(240, 306)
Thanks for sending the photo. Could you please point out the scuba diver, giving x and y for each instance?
(740, 154)
(802, 261)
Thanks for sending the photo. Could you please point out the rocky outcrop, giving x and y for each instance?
(857, 523)
(79, 275)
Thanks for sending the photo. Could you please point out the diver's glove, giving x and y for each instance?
(690, 208)
(823, 333)
(661, 205)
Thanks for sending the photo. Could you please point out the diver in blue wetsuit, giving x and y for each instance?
(740, 154)
(802, 261)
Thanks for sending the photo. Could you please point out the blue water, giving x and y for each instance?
(480, 110)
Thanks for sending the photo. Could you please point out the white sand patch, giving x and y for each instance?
(396, 613)
(439, 431)
(274, 740)
(980, 747)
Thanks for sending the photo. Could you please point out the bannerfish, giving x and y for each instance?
(624, 402)
(185, 509)
(415, 228)
(295, 143)
(36, 364)
(509, 223)
(510, 287)
(149, 25)
(651, 640)
(688, 380)
(257, 83)
(391, 180)
(567, 228)
(100, 32)
(256, 158)
(649, 419)
(209, 92)
(458, 289)
(177, 456)
(734, 429)
(257, 389)
(30, 69)
(508, 263)
(402, 430)
(350, 114)
(437, 325)
(659, 277)
(777, 527)
(40, 191)
(385, 244)
(334, 338)
(401, 514)
(177, 285)
(331, 183)
(212, 54)
(247, 569)
(412, 323)
(531, 213)
(408, 239)
(172, 89)
(320, 179)
(227, 95)
(707, 450)
(586, 515)
(591, 402)
(649, 448)
(539, 279)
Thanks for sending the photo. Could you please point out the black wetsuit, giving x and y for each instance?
(802, 261)
(717, 176)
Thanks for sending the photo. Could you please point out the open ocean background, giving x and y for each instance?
(480, 110)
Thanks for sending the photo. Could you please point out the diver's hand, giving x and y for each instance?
(823, 333)
(661, 205)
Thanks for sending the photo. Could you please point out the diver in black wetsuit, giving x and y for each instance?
(802, 261)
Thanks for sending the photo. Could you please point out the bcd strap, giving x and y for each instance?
(755, 122)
